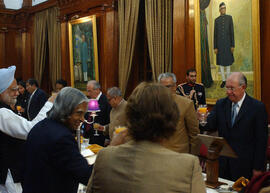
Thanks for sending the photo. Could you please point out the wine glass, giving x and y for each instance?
(96, 126)
(19, 108)
(202, 110)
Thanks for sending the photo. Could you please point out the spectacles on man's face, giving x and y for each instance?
(14, 89)
(169, 85)
(109, 98)
(232, 88)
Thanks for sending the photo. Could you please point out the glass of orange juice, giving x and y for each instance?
(119, 129)
(202, 110)
(96, 126)
(19, 108)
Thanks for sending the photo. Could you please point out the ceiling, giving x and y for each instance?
(17, 4)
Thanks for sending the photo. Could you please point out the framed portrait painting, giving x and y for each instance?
(227, 39)
(83, 51)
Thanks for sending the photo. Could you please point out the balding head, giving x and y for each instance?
(236, 84)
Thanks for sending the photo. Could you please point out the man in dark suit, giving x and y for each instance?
(242, 121)
(37, 99)
(224, 41)
(53, 160)
(103, 116)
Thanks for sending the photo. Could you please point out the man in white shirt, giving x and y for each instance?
(103, 116)
(13, 130)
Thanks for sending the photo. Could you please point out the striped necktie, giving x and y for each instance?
(234, 113)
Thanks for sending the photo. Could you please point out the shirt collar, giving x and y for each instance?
(33, 93)
(119, 103)
(99, 95)
(241, 101)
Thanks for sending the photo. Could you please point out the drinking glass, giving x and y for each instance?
(95, 126)
(202, 110)
(19, 108)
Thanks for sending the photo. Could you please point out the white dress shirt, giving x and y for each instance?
(240, 102)
(17, 126)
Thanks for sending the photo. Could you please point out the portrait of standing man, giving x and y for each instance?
(224, 42)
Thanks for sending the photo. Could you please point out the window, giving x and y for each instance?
(35, 2)
(13, 4)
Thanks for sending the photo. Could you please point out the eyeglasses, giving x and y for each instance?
(169, 85)
(14, 89)
(109, 99)
(232, 88)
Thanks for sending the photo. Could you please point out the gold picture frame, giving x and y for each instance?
(249, 64)
(83, 51)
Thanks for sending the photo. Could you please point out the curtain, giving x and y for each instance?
(128, 11)
(205, 59)
(158, 16)
(54, 43)
(40, 35)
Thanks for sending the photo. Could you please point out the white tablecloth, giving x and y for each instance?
(91, 160)
(222, 188)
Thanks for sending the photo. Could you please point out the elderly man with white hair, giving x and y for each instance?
(13, 130)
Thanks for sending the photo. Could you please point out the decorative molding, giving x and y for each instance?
(3, 29)
(71, 8)
(27, 3)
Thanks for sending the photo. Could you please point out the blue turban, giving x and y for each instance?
(6, 77)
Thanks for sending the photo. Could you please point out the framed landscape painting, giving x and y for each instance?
(83, 51)
(239, 34)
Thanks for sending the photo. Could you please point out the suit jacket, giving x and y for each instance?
(36, 102)
(117, 118)
(247, 137)
(184, 140)
(103, 118)
(53, 160)
(144, 167)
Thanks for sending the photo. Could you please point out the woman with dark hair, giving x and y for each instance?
(53, 160)
(22, 100)
(143, 164)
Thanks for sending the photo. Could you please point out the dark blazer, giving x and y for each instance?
(247, 137)
(53, 161)
(37, 101)
(103, 118)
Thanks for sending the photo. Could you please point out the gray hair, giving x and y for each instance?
(95, 84)
(242, 80)
(65, 103)
(114, 92)
(167, 75)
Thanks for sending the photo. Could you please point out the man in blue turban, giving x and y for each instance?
(13, 131)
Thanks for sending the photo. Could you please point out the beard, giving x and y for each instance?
(8, 99)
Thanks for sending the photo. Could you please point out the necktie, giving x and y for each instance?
(234, 113)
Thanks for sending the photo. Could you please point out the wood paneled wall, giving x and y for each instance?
(265, 51)
(16, 40)
(183, 38)
(107, 30)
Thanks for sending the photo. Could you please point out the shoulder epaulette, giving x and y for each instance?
(182, 84)
(199, 83)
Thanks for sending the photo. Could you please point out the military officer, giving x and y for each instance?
(224, 41)
(191, 89)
